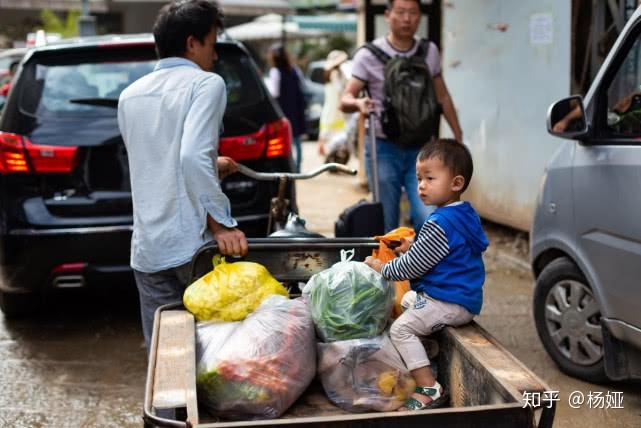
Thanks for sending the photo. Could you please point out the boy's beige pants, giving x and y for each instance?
(422, 317)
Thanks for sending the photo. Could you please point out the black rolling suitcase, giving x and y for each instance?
(364, 218)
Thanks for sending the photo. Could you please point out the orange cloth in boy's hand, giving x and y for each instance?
(385, 254)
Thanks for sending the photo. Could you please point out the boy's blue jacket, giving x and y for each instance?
(459, 277)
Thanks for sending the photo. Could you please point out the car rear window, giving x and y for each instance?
(88, 83)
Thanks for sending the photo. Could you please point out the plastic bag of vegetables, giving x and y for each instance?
(364, 374)
(349, 300)
(231, 291)
(256, 368)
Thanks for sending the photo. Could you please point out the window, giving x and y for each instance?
(624, 97)
(83, 83)
(66, 86)
(241, 81)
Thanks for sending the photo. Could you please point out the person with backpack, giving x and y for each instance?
(405, 88)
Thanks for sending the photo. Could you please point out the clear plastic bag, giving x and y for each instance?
(364, 374)
(350, 300)
(231, 291)
(256, 368)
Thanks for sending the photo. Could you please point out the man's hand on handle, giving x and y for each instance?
(365, 105)
(231, 241)
(226, 166)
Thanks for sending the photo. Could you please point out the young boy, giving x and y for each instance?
(444, 264)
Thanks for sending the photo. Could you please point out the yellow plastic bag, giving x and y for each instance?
(231, 291)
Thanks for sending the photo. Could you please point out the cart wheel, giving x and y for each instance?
(568, 321)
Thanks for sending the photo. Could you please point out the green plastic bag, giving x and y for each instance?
(350, 300)
(231, 291)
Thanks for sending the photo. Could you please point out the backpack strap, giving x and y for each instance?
(377, 52)
(423, 48)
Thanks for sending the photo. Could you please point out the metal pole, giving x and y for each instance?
(376, 196)
(86, 22)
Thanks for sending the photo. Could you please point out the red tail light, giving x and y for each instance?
(47, 159)
(272, 140)
(12, 155)
(19, 155)
(244, 147)
(70, 267)
(279, 139)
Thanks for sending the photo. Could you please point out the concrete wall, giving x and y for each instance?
(505, 62)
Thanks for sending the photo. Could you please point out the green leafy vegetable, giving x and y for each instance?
(349, 301)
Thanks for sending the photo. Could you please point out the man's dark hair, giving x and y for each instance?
(390, 3)
(181, 19)
(13, 67)
(454, 155)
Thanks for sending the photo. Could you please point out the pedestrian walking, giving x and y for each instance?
(285, 83)
(332, 137)
(407, 110)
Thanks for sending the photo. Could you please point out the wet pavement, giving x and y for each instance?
(81, 362)
(507, 315)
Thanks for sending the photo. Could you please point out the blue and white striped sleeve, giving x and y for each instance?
(431, 247)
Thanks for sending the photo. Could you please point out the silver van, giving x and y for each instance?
(586, 234)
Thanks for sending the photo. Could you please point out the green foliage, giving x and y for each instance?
(52, 23)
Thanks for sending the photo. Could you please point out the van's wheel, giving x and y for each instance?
(18, 305)
(568, 320)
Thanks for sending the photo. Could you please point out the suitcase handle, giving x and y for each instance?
(373, 157)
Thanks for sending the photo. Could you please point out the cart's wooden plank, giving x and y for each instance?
(175, 374)
(498, 361)
(496, 416)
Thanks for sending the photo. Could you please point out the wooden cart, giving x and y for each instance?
(486, 383)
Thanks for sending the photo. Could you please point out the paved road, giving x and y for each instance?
(81, 362)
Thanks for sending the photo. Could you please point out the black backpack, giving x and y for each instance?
(411, 111)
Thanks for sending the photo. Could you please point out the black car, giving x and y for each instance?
(65, 201)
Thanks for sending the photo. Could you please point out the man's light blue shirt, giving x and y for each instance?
(170, 121)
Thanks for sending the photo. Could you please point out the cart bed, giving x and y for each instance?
(485, 382)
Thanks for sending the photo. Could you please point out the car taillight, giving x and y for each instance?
(244, 147)
(279, 139)
(70, 268)
(46, 159)
(272, 140)
(19, 155)
(13, 158)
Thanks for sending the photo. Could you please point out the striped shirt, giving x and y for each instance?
(431, 247)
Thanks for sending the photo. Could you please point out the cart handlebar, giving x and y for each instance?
(266, 176)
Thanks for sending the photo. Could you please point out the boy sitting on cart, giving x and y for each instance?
(444, 264)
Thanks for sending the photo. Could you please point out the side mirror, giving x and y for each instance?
(566, 118)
